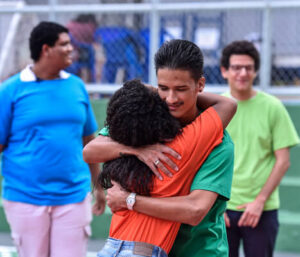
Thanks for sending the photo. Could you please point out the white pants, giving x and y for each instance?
(50, 231)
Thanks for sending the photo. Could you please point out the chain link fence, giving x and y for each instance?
(112, 46)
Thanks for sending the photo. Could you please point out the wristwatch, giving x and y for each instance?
(130, 201)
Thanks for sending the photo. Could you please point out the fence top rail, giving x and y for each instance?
(218, 89)
(148, 7)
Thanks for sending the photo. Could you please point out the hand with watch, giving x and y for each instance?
(118, 199)
(130, 201)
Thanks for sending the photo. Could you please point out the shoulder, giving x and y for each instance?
(206, 126)
(11, 83)
(72, 77)
(268, 99)
(77, 84)
(223, 152)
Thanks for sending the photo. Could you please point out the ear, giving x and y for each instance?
(45, 50)
(224, 72)
(201, 84)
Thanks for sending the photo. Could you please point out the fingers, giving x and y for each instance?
(243, 219)
(227, 220)
(155, 158)
(165, 159)
(163, 168)
(115, 183)
(98, 209)
(157, 164)
(251, 215)
(255, 222)
(154, 170)
(168, 150)
(242, 206)
(163, 162)
(248, 220)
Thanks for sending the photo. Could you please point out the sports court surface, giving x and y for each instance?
(8, 250)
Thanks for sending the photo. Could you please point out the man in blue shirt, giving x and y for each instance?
(46, 118)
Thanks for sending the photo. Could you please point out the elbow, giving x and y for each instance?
(196, 215)
(87, 154)
(286, 165)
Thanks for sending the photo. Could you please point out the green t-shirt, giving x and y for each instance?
(104, 132)
(260, 126)
(209, 237)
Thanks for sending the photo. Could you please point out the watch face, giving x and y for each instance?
(130, 201)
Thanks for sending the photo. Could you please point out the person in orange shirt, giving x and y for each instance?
(197, 139)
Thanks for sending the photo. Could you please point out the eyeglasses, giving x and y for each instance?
(239, 68)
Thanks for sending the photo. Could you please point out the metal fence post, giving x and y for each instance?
(52, 14)
(265, 71)
(154, 40)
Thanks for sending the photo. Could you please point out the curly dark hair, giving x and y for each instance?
(242, 47)
(130, 173)
(180, 54)
(136, 116)
(44, 33)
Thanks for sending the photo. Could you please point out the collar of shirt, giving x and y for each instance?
(27, 74)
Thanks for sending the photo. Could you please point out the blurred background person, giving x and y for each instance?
(263, 133)
(46, 118)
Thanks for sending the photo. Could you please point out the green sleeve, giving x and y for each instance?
(104, 132)
(284, 133)
(216, 172)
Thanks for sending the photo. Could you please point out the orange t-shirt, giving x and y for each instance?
(194, 144)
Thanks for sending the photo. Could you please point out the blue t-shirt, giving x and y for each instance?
(42, 125)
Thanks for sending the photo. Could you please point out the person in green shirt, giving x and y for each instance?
(263, 133)
(204, 207)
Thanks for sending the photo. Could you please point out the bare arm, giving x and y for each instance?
(1, 148)
(102, 149)
(254, 209)
(94, 167)
(190, 209)
(98, 191)
(224, 106)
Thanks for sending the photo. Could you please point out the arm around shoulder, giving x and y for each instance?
(102, 149)
(224, 106)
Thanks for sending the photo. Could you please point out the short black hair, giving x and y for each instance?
(242, 47)
(44, 33)
(180, 54)
(136, 116)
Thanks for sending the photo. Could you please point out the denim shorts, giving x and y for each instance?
(119, 248)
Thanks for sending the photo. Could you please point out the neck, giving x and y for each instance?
(243, 95)
(43, 71)
(190, 117)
